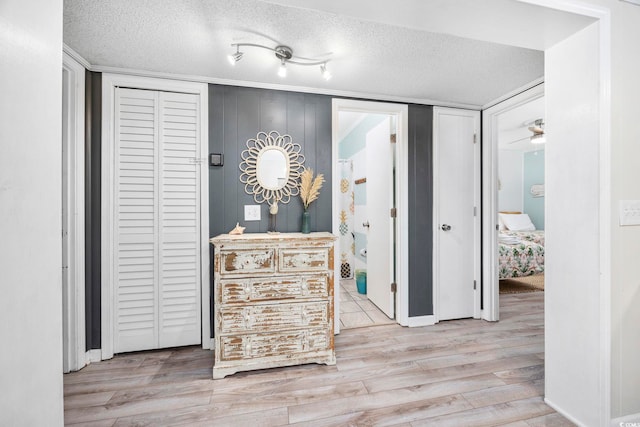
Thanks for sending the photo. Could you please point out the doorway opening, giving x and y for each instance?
(368, 196)
(366, 159)
(521, 201)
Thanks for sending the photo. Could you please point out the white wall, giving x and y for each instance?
(510, 175)
(572, 252)
(625, 242)
(30, 213)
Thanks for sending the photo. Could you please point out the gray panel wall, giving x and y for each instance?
(93, 128)
(237, 114)
(420, 210)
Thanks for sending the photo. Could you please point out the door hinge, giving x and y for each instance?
(475, 138)
(474, 285)
(394, 287)
(393, 212)
(392, 139)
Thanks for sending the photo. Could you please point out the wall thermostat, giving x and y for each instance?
(216, 159)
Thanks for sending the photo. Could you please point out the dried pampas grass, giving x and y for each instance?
(310, 187)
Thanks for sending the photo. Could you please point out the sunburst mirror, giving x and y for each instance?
(271, 167)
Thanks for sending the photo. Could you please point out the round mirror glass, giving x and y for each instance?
(272, 168)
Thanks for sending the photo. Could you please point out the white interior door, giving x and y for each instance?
(456, 167)
(380, 158)
(156, 220)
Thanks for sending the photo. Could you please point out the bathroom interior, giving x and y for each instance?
(356, 129)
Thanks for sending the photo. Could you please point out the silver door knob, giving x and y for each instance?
(446, 227)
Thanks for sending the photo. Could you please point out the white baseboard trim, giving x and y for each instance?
(417, 321)
(209, 345)
(94, 355)
(563, 412)
(632, 420)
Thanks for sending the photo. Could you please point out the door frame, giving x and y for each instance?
(477, 266)
(402, 194)
(73, 316)
(109, 83)
(490, 117)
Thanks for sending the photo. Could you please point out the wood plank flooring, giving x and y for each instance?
(463, 372)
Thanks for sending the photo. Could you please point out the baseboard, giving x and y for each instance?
(563, 412)
(209, 345)
(632, 420)
(94, 355)
(417, 321)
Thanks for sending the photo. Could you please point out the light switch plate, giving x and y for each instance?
(252, 212)
(629, 212)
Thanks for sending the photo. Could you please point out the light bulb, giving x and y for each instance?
(235, 57)
(282, 71)
(326, 74)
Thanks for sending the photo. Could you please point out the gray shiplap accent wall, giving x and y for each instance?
(420, 210)
(237, 114)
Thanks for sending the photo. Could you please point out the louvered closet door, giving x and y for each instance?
(156, 221)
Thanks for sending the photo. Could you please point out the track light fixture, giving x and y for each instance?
(285, 55)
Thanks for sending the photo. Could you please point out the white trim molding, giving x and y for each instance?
(632, 420)
(417, 321)
(109, 84)
(74, 339)
(402, 190)
(94, 355)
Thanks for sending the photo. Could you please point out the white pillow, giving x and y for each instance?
(517, 222)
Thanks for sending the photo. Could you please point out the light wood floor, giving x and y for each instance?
(457, 373)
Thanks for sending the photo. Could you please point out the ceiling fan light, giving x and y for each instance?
(538, 138)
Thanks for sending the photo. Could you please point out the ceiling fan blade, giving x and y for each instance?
(518, 140)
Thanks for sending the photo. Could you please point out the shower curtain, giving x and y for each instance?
(346, 203)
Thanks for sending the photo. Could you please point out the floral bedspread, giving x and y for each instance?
(522, 256)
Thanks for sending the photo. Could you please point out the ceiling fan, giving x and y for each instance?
(537, 128)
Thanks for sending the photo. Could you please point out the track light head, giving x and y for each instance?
(326, 74)
(282, 70)
(233, 58)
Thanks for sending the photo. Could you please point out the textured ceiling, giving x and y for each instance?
(192, 37)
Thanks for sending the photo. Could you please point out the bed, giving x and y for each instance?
(520, 252)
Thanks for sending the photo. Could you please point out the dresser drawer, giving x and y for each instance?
(273, 317)
(272, 288)
(303, 259)
(241, 347)
(247, 261)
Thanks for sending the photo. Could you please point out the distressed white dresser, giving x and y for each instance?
(273, 301)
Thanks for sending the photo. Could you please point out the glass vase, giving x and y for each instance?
(306, 222)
